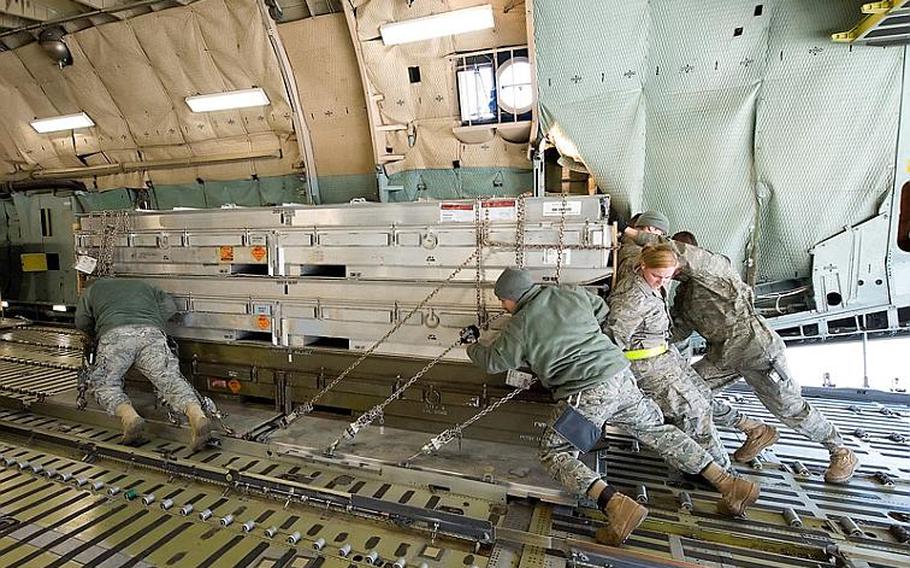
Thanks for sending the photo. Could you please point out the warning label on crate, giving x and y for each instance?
(226, 254)
(490, 210)
(456, 212)
(263, 322)
(258, 253)
(499, 210)
(555, 208)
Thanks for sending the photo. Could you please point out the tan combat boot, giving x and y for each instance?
(131, 423)
(625, 515)
(758, 437)
(737, 493)
(199, 425)
(843, 463)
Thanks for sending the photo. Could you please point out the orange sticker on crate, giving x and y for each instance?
(234, 386)
(258, 253)
(226, 254)
(264, 322)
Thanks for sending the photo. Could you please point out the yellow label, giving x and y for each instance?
(34, 262)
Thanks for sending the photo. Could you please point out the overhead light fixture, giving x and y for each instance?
(65, 122)
(224, 101)
(59, 308)
(51, 40)
(4, 304)
(455, 22)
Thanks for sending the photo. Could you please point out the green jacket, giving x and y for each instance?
(110, 303)
(556, 331)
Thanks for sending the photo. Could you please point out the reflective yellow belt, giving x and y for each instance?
(638, 354)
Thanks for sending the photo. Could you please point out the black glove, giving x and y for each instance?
(469, 334)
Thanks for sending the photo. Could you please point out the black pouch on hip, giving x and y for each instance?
(577, 430)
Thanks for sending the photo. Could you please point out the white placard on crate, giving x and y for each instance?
(86, 264)
(490, 210)
(555, 209)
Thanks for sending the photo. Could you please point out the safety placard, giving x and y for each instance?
(86, 264)
(555, 208)
(498, 210)
(258, 253)
(490, 210)
(456, 212)
(264, 322)
(226, 254)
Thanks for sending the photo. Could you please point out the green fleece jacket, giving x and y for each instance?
(110, 303)
(556, 331)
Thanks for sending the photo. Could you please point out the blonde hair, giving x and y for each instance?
(656, 256)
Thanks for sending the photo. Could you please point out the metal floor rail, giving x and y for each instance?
(38, 362)
(71, 496)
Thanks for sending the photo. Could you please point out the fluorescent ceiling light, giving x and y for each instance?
(223, 101)
(65, 122)
(438, 25)
(59, 308)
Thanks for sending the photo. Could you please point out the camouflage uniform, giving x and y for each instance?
(714, 301)
(639, 319)
(146, 348)
(128, 317)
(626, 259)
(618, 402)
(581, 367)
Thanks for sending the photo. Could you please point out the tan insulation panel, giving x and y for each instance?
(78, 87)
(495, 153)
(132, 77)
(331, 93)
(431, 106)
(433, 97)
(435, 147)
(22, 98)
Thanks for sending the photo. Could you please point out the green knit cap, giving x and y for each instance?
(513, 283)
(654, 219)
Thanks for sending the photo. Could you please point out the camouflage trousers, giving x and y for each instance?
(617, 401)
(146, 348)
(684, 399)
(775, 387)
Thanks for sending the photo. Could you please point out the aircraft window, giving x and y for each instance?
(494, 87)
(515, 93)
(903, 224)
(477, 92)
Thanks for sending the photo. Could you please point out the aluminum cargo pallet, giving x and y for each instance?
(423, 241)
